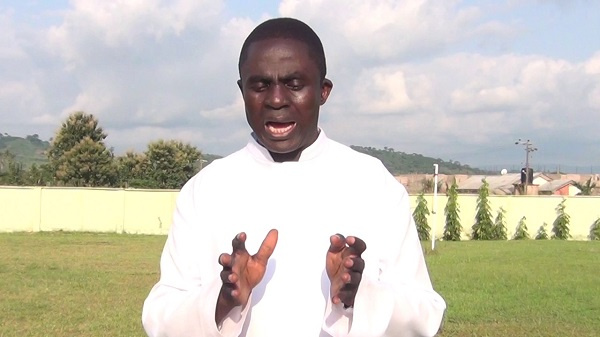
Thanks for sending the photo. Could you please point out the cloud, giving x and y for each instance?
(442, 78)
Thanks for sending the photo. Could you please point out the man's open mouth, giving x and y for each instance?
(276, 128)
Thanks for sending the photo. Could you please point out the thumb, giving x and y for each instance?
(267, 247)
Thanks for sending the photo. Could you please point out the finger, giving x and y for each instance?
(230, 291)
(347, 296)
(267, 247)
(225, 260)
(355, 264)
(351, 280)
(227, 276)
(338, 243)
(239, 242)
(357, 245)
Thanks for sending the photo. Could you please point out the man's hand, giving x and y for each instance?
(344, 267)
(242, 272)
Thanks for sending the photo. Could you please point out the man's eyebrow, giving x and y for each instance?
(259, 78)
(266, 78)
(292, 76)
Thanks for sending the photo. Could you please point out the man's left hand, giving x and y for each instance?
(344, 267)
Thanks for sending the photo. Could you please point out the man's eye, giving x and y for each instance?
(295, 85)
(260, 86)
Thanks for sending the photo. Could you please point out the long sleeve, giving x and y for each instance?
(397, 298)
(183, 302)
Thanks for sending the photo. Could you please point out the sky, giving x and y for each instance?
(459, 80)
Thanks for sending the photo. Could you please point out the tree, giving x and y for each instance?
(171, 163)
(6, 158)
(87, 164)
(452, 228)
(522, 232)
(77, 126)
(420, 215)
(499, 231)
(484, 227)
(560, 227)
(541, 233)
(11, 171)
(131, 171)
(587, 188)
(78, 155)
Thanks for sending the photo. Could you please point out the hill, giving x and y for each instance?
(28, 150)
(404, 163)
(31, 150)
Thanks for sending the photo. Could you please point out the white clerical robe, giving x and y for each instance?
(331, 189)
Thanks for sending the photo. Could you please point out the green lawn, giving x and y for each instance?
(518, 288)
(67, 284)
(80, 284)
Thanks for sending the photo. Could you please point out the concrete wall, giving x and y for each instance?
(537, 209)
(32, 209)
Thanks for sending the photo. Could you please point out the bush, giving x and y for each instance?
(483, 229)
(595, 230)
(522, 232)
(499, 231)
(541, 233)
(560, 227)
(452, 227)
(420, 215)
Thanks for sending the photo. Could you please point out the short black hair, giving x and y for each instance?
(287, 28)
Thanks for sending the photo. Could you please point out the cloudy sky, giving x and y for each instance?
(459, 80)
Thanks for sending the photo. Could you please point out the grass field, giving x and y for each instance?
(78, 284)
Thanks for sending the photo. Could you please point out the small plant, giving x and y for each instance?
(560, 227)
(420, 215)
(595, 230)
(541, 233)
(483, 229)
(427, 185)
(499, 231)
(587, 188)
(522, 232)
(452, 228)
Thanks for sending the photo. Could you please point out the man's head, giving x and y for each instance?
(287, 28)
(282, 79)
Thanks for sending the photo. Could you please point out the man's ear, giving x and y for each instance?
(239, 83)
(326, 87)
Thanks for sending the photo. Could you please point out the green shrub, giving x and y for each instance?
(499, 231)
(483, 229)
(420, 215)
(522, 232)
(560, 227)
(595, 230)
(452, 227)
(541, 233)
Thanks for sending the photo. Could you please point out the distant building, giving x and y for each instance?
(507, 184)
(559, 187)
(499, 184)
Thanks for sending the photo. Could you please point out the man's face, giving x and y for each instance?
(282, 92)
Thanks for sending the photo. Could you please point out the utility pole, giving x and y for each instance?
(528, 149)
(435, 190)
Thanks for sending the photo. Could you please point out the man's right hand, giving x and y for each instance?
(242, 272)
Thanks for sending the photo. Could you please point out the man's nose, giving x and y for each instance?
(276, 97)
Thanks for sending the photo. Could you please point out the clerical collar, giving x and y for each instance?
(262, 154)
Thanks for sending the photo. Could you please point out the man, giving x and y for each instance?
(307, 207)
